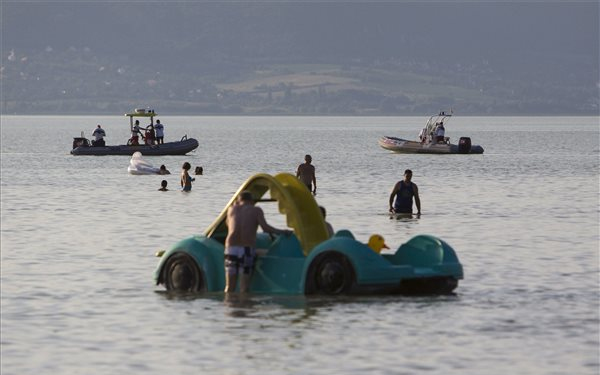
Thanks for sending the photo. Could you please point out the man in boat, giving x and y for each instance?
(160, 132)
(306, 174)
(404, 191)
(135, 134)
(440, 131)
(243, 219)
(99, 134)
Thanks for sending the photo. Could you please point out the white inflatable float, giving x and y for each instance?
(137, 165)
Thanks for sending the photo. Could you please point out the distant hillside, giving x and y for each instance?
(300, 58)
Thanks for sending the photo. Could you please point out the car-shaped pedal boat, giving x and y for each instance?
(308, 261)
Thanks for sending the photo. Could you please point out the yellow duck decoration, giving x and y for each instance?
(376, 242)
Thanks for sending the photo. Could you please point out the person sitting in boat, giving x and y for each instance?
(327, 224)
(440, 132)
(99, 134)
(150, 135)
(135, 134)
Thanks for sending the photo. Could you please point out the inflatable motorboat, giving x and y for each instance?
(83, 146)
(308, 261)
(430, 142)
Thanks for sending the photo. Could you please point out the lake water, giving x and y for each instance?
(79, 234)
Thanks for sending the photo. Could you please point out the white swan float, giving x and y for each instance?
(137, 165)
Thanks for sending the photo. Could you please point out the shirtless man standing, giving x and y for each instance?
(306, 174)
(243, 219)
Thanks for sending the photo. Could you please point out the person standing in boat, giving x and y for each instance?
(99, 134)
(135, 134)
(160, 132)
(330, 231)
(186, 179)
(306, 174)
(404, 191)
(150, 135)
(440, 132)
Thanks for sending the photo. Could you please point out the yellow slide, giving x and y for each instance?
(294, 200)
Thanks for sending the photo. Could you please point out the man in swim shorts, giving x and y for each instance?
(404, 191)
(243, 219)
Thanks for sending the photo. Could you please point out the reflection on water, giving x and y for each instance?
(295, 308)
(404, 217)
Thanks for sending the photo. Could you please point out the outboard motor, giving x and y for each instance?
(80, 141)
(464, 145)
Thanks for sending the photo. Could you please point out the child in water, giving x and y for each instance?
(163, 186)
(186, 179)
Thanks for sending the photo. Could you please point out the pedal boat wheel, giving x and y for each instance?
(330, 273)
(181, 273)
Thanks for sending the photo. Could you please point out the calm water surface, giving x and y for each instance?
(79, 234)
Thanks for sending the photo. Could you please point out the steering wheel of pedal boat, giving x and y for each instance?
(184, 138)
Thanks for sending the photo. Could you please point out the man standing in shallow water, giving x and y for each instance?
(306, 174)
(243, 219)
(404, 191)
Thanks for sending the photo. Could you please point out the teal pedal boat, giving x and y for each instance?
(308, 261)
